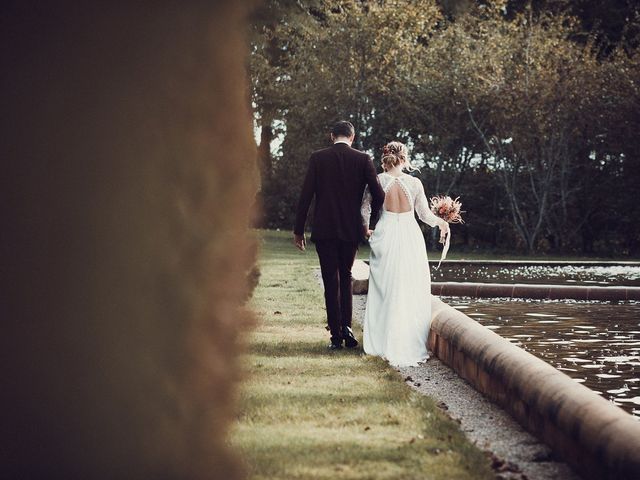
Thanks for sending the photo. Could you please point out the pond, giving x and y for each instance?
(593, 275)
(595, 343)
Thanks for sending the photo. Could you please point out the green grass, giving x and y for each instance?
(307, 413)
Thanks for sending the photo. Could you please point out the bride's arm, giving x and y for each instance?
(425, 214)
(365, 209)
(430, 218)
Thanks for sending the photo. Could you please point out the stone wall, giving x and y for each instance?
(597, 438)
(537, 291)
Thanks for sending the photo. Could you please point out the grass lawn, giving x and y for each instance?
(307, 413)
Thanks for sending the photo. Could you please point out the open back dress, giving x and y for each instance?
(398, 311)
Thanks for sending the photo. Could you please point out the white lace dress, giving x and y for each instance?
(398, 311)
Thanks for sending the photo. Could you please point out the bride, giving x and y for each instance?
(398, 311)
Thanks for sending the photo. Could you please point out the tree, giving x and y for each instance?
(515, 94)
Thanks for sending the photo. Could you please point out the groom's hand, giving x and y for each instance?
(300, 242)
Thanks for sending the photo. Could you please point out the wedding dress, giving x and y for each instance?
(398, 312)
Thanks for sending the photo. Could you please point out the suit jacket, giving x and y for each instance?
(337, 176)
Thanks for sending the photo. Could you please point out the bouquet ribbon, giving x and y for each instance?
(447, 209)
(443, 255)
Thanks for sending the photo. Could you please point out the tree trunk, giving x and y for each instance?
(265, 160)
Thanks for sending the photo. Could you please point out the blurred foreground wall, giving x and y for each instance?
(127, 182)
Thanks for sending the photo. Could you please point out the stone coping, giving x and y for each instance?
(600, 440)
(537, 291)
(360, 277)
(360, 274)
(546, 263)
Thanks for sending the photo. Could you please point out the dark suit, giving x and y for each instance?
(337, 176)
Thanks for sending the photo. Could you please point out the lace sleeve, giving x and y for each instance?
(365, 209)
(422, 208)
(430, 218)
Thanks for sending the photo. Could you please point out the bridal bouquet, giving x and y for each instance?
(450, 211)
(447, 209)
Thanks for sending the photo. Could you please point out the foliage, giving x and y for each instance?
(125, 241)
(518, 93)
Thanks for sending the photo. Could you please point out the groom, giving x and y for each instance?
(337, 177)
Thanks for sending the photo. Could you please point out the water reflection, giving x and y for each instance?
(567, 274)
(597, 344)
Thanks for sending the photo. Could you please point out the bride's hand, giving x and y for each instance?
(369, 233)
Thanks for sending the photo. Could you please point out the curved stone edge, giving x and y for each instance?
(360, 277)
(598, 439)
(537, 291)
(546, 263)
(360, 281)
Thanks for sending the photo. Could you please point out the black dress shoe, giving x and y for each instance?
(349, 339)
(334, 346)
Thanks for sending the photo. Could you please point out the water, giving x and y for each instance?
(595, 343)
(610, 275)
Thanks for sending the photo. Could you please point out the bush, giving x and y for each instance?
(126, 242)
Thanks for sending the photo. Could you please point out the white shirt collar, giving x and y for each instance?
(341, 141)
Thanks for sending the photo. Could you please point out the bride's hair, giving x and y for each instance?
(394, 154)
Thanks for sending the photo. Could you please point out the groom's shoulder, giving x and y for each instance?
(321, 152)
(330, 151)
(359, 152)
(362, 156)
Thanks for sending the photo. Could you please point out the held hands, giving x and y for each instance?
(300, 242)
(366, 231)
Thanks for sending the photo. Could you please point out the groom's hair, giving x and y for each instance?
(343, 129)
